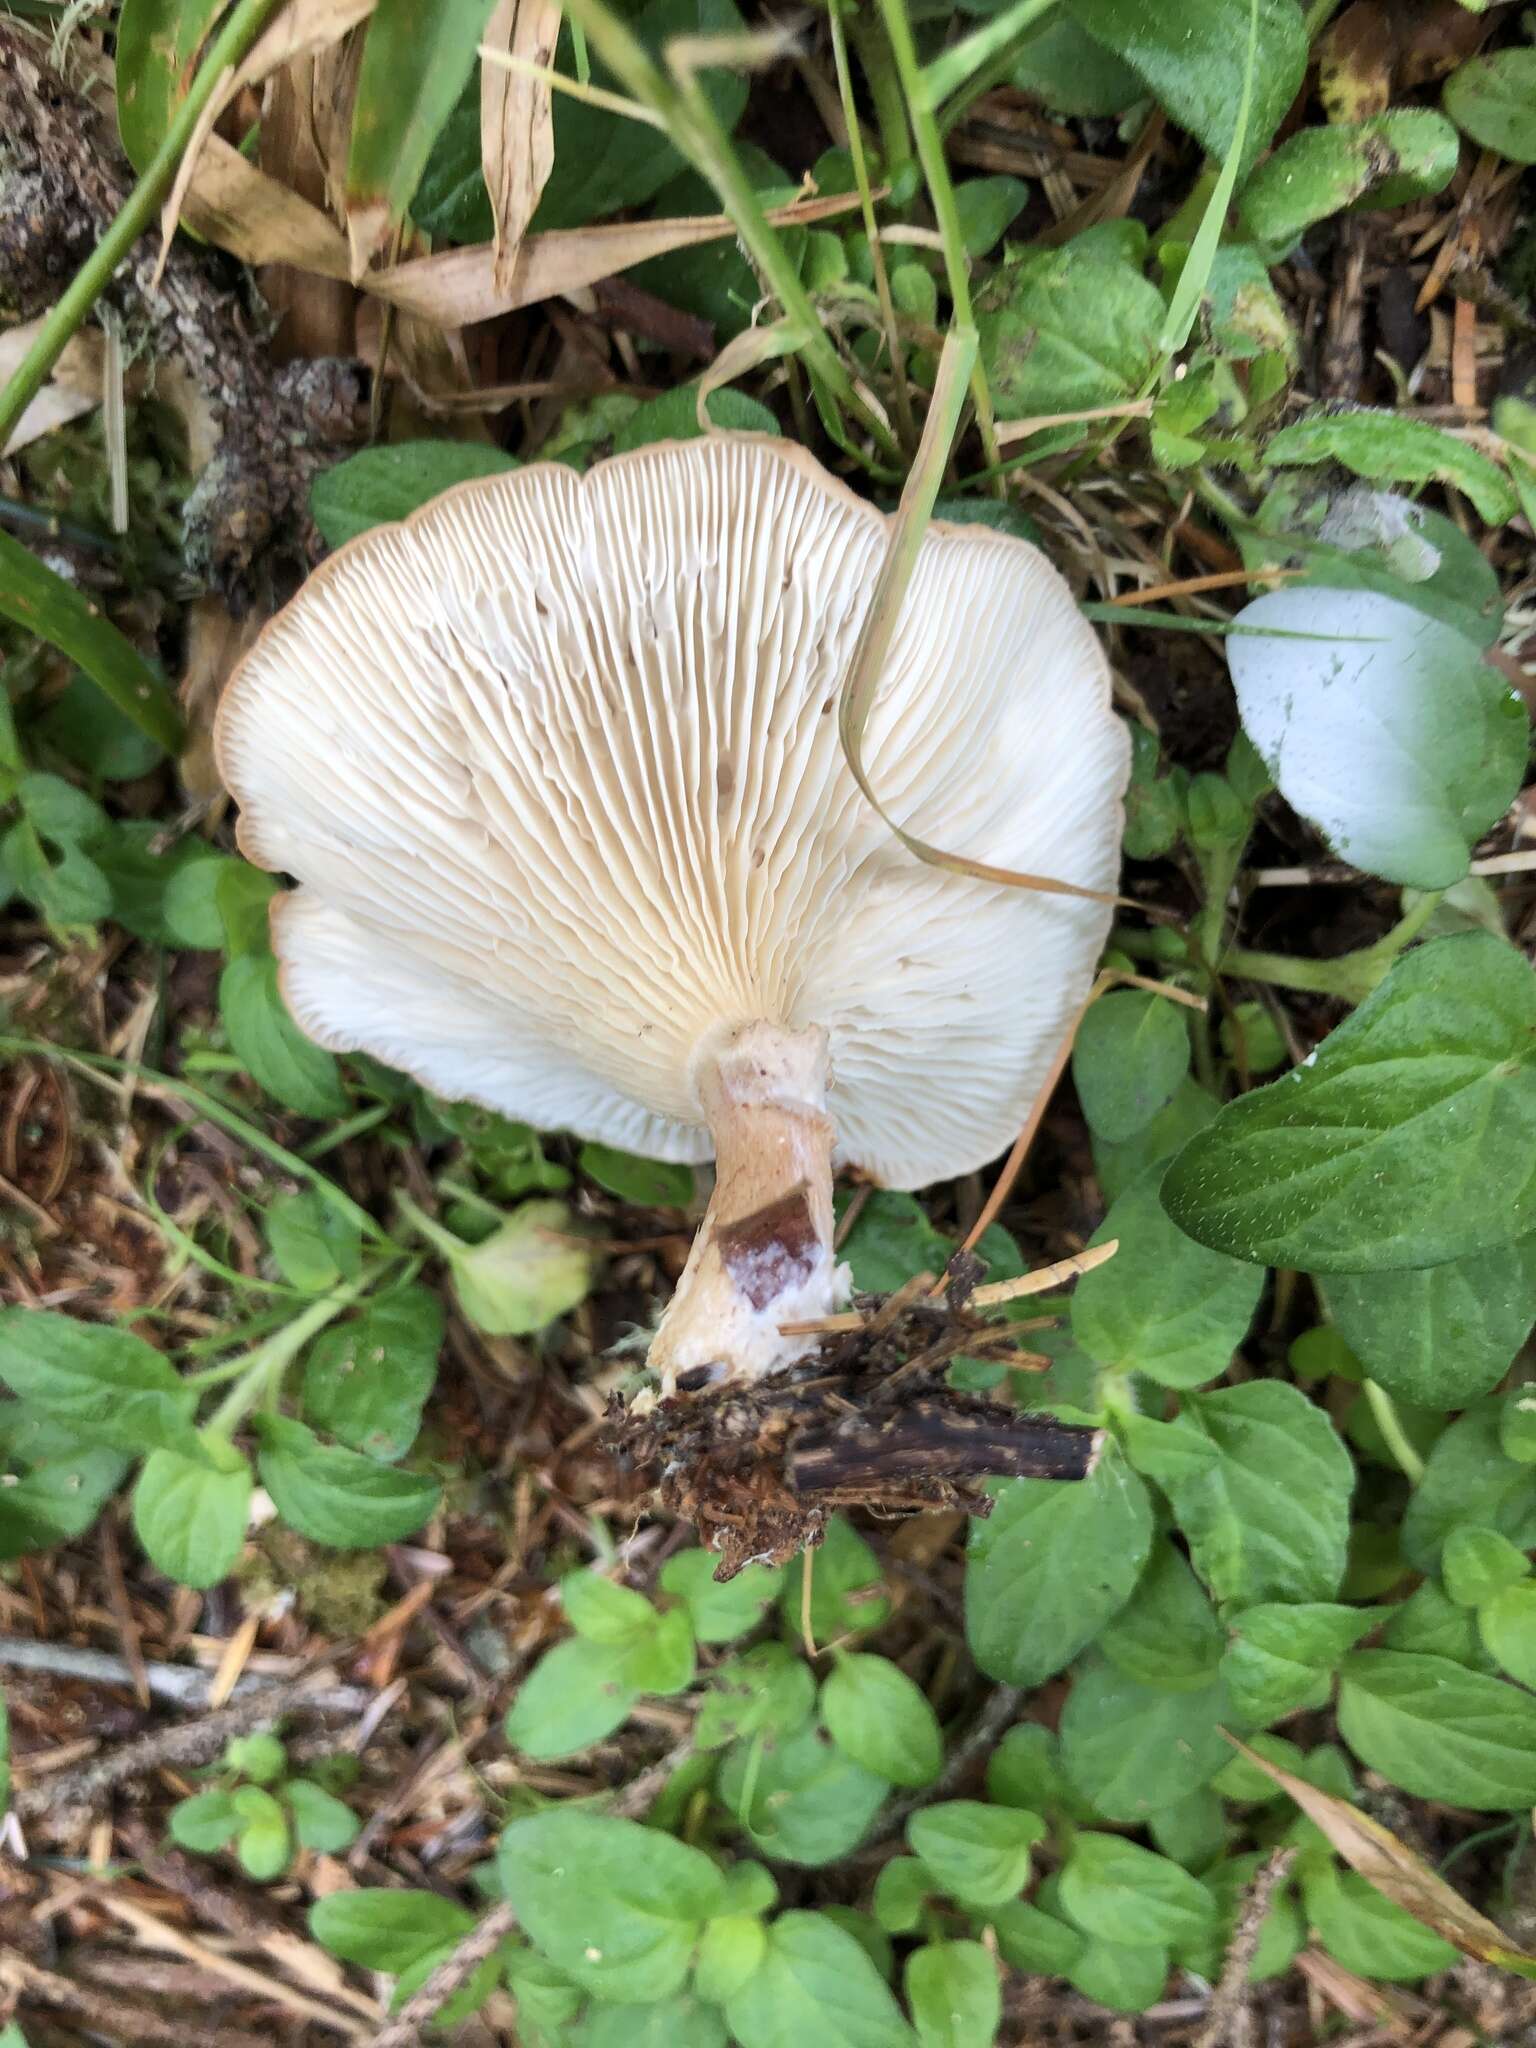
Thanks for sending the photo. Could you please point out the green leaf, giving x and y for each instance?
(1435, 739)
(1367, 1932)
(1477, 1563)
(848, 1595)
(1439, 1337)
(892, 1239)
(314, 1244)
(1164, 1305)
(207, 1822)
(1056, 1559)
(89, 730)
(675, 417)
(604, 161)
(671, 2023)
(261, 1757)
(1259, 1482)
(1025, 1770)
(1395, 447)
(1468, 1479)
(383, 484)
(1492, 98)
(1506, 1625)
(263, 1845)
(1166, 1635)
(768, 1690)
(1191, 54)
(1064, 330)
(1117, 1891)
(292, 1069)
(798, 1798)
(190, 1514)
(954, 1995)
(65, 886)
(661, 1660)
(243, 897)
(337, 1496)
(652, 1183)
(53, 1489)
(366, 1380)
(979, 1854)
(1131, 1751)
(1072, 73)
(604, 1612)
(1388, 160)
(616, 1906)
(902, 1890)
(1409, 1140)
(386, 1929)
(1120, 1166)
(415, 64)
(876, 1715)
(60, 812)
(1193, 1831)
(986, 208)
(818, 1985)
(33, 597)
(1124, 1978)
(733, 1948)
(321, 1821)
(1035, 1941)
(159, 43)
(107, 1385)
(1129, 1056)
(1276, 1655)
(575, 1695)
(531, 1270)
(188, 911)
(1440, 1731)
(720, 1613)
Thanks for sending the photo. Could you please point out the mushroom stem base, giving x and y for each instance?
(763, 1255)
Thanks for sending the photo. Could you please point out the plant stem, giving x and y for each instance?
(264, 1368)
(885, 90)
(930, 150)
(1351, 975)
(963, 63)
(901, 397)
(245, 23)
(691, 124)
(1395, 1437)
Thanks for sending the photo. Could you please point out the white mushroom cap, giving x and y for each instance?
(556, 765)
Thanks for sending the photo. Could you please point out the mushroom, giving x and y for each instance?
(556, 766)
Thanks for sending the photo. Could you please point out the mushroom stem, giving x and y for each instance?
(764, 1253)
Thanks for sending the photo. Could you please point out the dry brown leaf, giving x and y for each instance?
(316, 314)
(186, 171)
(1355, 56)
(517, 123)
(74, 388)
(257, 219)
(304, 28)
(458, 287)
(1396, 1872)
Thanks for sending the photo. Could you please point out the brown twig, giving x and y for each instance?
(99, 2011)
(1229, 2023)
(188, 1742)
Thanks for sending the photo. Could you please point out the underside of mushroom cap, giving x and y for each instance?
(556, 766)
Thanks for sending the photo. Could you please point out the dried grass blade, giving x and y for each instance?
(880, 621)
(458, 287)
(517, 122)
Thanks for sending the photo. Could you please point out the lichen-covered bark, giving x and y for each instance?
(62, 178)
